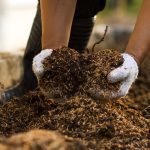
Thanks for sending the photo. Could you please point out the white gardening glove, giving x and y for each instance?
(126, 73)
(37, 64)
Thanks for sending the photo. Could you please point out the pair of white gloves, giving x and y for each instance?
(126, 73)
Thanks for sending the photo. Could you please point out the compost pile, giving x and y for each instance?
(83, 122)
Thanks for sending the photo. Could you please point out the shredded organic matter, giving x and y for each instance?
(85, 122)
(108, 126)
(62, 73)
(68, 72)
(102, 63)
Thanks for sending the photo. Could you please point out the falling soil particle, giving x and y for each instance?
(102, 63)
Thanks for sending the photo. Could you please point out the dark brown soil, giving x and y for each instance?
(103, 62)
(68, 72)
(117, 125)
(95, 125)
(62, 73)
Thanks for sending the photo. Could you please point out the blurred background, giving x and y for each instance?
(16, 17)
(120, 17)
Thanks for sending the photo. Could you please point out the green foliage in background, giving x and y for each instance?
(130, 7)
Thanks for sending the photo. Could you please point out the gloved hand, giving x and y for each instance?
(37, 64)
(126, 73)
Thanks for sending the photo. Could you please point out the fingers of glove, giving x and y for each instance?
(38, 60)
(123, 90)
(129, 67)
(118, 74)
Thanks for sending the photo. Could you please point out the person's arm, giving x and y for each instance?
(137, 49)
(139, 43)
(57, 17)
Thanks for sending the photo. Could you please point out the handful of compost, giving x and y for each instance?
(118, 72)
(58, 72)
(63, 72)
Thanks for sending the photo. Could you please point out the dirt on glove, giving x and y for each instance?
(94, 125)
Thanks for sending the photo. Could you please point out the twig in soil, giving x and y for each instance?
(147, 108)
(101, 40)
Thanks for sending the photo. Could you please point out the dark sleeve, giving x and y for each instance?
(89, 8)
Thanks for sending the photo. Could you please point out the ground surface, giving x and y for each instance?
(83, 122)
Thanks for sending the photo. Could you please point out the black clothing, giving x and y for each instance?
(89, 8)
